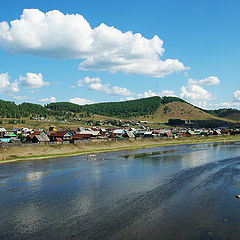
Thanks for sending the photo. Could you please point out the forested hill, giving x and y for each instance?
(139, 107)
(229, 113)
(11, 110)
(132, 108)
(160, 108)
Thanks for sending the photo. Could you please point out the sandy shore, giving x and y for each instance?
(32, 152)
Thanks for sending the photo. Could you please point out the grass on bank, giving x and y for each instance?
(13, 154)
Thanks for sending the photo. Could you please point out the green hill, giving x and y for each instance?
(155, 109)
(11, 110)
(126, 109)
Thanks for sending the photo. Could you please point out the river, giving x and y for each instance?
(182, 192)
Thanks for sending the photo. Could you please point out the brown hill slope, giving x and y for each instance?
(181, 110)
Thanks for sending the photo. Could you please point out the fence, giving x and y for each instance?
(3, 145)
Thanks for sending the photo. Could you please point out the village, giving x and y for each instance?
(53, 135)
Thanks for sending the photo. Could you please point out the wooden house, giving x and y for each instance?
(42, 138)
(217, 132)
(60, 136)
(80, 137)
(10, 135)
(130, 134)
(2, 132)
(190, 133)
(167, 134)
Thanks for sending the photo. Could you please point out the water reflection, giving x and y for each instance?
(140, 194)
(34, 176)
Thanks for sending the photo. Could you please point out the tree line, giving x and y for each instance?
(124, 109)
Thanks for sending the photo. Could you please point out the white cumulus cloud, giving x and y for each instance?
(32, 80)
(70, 36)
(236, 96)
(169, 93)
(127, 99)
(150, 93)
(96, 84)
(6, 85)
(88, 80)
(195, 92)
(48, 100)
(212, 80)
(4, 81)
(80, 101)
(147, 94)
(111, 90)
(21, 98)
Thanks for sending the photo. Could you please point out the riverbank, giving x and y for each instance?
(30, 152)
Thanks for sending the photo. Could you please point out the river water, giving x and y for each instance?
(176, 192)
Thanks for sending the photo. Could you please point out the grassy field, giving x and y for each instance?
(29, 152)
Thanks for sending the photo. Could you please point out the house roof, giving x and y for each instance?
(3, 130)
(130, 134)
(218, 131)
(5, 140)
(118, 131)
(42, 138)
(10, 134)
(81, 129)
(31, 136)
(81, 136)
(36, 133)
(148, 133)
(26, 130)
(94, 133)
(59, 139)
(60, 134)
(169, 134)
(191, 132)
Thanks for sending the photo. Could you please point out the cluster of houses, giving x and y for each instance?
(27, 135)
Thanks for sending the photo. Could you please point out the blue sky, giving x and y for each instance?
(97, 51)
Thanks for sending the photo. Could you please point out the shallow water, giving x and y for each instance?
(175, 192)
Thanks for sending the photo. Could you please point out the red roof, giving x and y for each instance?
(58, 134)
(36, 133)
(59, 140)
(31, 136)
(225, 131)
(81, 136)
(169, 134)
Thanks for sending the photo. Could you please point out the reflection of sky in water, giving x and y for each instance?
(34, 176)
(37, 193)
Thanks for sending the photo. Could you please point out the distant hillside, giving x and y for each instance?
(180, 110)
(125, 109)
(154, 109)
(11, 110)
(133, 108)
(228, 113)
